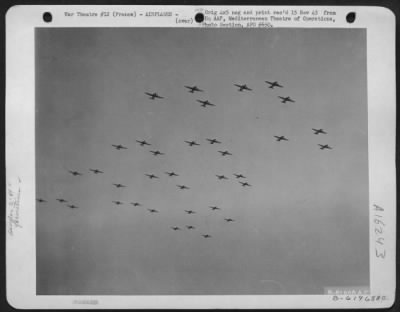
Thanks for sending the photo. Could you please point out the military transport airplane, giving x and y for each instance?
(190, 227)
(213, 141)
(152, 176)
(243, 87)
(175, 228)
(274, 84)
(326, 146)
(190, 211)
(224, 153)
(61, 200)
(153, 96)
(182, 187)
(318, 131)
(75, 173)
(119, 147)
(205, 235)
(153, 210)
(205, 103)
(41, 200)
(193, 89)
(72, 206)
(244, 184)
(96, 171)
(117, 202)
(280, 138)
(238, 176)
(215, 208)
(191, 143)
(118, 185)
(221, 177)
(172, 174)
(136, 204)
(156, 153)
(142, 143)
(286, 99)
(229, 220)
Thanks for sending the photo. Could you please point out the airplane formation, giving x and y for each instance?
(191, 143)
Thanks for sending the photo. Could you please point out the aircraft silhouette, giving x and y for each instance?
(326, 146)
(153, 210)
(96, 171)
(221, 177)
(155, 153)
(318, 131)
(153, 96)
(75, 173)
(191, 143)
(206, 235)
(142, 143)
(61, 200)
(280, 138)
(190, 211)
(190, 227)
(242, 87)
(274, 84)
(152, 176)
(72, 206)
(175, 228)
(183, 187)
(117, 202)
(224, 153)
(286, 99)
(213, 141)
(229, 220)
(244, 184)
(136, 204)
(205, 103)
(238, 176)
(193, 89)
(119, 147)
(215, 208)
(172, 174)
(118, 185)
(41, 200)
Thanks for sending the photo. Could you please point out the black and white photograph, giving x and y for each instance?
(184, 161)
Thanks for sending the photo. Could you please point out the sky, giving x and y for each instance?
(300, 227)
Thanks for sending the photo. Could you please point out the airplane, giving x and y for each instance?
(118, 185)
(155, 153)
(72, 206)
(224, 153)
(41, 200)
(190, 227)
(190, 211)
(153, 96)
(274, 84)
(172, 174)
(318, 131)
(244, 184)
(205, 103)
(142, 143)
(61, 200)
(152, 176)
(117, 202)
(205, 235)
(182, 187)
(229, 220)
(213, 141)
(243, 87)
(286, 99)
(96, 171)
(136, 204)
(215, 208)
(221, 177)
(191, 143)
(238, 176)
(326, 146)
(175, 228)
(75, 173)
(153, 210)
(193, 89)
(119, 147)
(280, 138)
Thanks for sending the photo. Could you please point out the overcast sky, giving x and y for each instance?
(300, 227)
